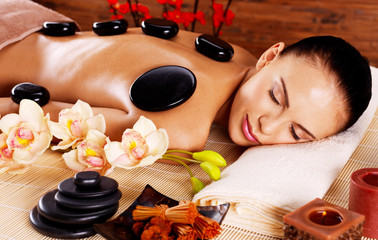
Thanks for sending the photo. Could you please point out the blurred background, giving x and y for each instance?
(257, 24)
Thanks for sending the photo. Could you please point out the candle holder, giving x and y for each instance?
(363, 198)
(319, 219)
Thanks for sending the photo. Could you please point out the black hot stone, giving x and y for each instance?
(161, 28)
(88, 203)
(214, 48)
(109, 28)
(105, 187)
(49, 209)
(59, 29)
(163, 88)
(30, 91)
(87, 179)
(59, 230)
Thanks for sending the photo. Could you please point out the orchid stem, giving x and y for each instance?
(180, 158)
(180, 151)
(179, 161)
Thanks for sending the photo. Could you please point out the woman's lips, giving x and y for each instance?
(247, 131)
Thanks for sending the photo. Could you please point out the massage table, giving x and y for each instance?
(19, 194)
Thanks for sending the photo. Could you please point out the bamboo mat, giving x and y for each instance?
(20, 193)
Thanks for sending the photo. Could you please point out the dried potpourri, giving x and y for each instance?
(181, 222)
(126, 228)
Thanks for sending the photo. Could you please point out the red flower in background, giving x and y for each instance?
(140, 9)
(200, 16)
(172, 11)
(178, 17)
(176, 3)
(220, 16)
(112, 2)
(116, 17)
(124, 8)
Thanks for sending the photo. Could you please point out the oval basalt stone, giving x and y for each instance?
(108, 28)
(31, 91)
(163, 88)
(59, 29)
(161, 28)
(214, 48)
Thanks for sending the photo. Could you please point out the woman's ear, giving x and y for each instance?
(269, 55)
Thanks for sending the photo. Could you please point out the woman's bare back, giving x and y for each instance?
(100, 71)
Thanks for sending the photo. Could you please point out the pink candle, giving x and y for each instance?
(363, 198)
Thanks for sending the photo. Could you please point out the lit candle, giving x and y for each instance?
(363, 198)
(327, 218)
(319, 219)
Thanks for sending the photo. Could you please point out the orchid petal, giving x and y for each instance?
(157, 142)
(95, 162)
(97, 122)
(97, 137)
(123, 161)
(9, 121)
(83, 108)
(113, 150)
(72, 162)
(32, 113)
(59, 131)
(67, 116)
(62, 145)
(76, 129)
(41, 144)
(144, 126)
(148, 160)
(23, 156)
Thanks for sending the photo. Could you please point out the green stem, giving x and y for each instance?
(181, 162)
(180, 151)
(181, 158)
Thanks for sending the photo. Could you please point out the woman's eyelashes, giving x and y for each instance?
(293, 133)
(273, 97)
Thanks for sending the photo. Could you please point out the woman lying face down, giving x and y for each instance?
(305, 92)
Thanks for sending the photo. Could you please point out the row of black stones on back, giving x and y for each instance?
(79, 202)
(208, 45)
(176, 84)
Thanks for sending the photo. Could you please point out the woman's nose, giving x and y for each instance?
(270, 125)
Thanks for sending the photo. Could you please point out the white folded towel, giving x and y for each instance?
(267, 182)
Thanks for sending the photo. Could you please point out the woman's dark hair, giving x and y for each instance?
(352, 70)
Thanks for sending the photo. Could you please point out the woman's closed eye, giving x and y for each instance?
(273, 97)
(300, 133)
(293, 133)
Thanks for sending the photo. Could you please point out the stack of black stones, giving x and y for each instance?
(79, 202)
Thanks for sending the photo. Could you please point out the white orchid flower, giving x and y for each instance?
(89, 154)
(25, 136)
(74, 124)
(141, 146)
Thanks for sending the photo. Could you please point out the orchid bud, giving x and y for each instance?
(197, 185)
(210, 156)
(212, 170)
